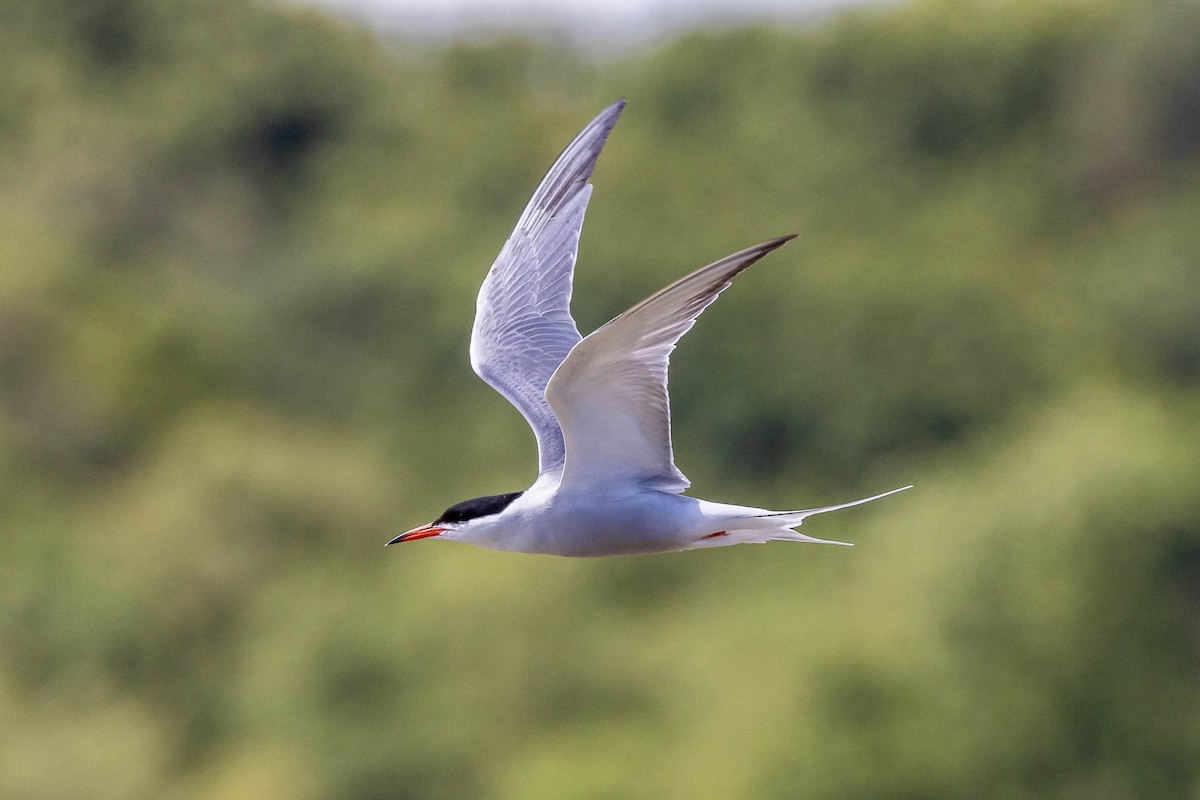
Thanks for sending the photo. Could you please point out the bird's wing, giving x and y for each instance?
(523, 326)
(610, 393)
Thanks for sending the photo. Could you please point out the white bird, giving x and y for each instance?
(607, 482)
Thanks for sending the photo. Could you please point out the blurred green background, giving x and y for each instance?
(239, 249)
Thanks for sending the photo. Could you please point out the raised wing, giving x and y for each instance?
(610, 393)
(523, 326)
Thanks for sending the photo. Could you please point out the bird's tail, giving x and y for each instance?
(766, 526)
(789, 519)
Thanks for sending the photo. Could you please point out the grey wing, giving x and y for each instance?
(610, 394)
(523, 325)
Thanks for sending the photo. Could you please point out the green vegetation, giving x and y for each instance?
(239, 248)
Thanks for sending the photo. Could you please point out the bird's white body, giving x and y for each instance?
(617, 521)
(598, 405)
(626, 520)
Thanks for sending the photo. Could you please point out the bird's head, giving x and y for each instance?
(460, 517)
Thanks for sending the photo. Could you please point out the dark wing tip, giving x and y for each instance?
(752, 254)
(571, 171)
(746, 257)
(605, 120)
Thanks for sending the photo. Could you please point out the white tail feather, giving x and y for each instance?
(791, 518)
(788, 535)
(756, 526)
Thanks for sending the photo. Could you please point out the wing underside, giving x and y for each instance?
(523, 326)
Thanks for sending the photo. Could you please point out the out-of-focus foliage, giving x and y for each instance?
(239, 247)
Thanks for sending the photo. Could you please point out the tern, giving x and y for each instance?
(607, 482)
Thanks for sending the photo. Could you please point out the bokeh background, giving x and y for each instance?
(239, 248)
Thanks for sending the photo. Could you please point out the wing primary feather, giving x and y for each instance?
(570, 172)
(697, 291)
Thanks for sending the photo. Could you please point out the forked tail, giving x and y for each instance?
(790, 518)
(766, 526)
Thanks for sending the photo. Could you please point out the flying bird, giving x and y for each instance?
(607, 482)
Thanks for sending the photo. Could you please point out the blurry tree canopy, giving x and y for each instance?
(239, 249)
